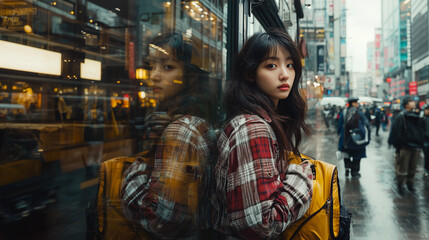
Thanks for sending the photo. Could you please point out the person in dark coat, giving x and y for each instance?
(377, 121)
(406, 135)
(352, 154)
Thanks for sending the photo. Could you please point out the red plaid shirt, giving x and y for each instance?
(256, 196)
(168, 199)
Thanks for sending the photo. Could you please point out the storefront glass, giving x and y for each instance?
(85, 81)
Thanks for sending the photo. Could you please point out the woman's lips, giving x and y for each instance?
(156, 89)
(284, 87)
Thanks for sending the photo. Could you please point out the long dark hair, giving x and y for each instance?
(243, 96)
(194, 98)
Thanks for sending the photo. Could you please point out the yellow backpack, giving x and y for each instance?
(326, 218)
(104, 215)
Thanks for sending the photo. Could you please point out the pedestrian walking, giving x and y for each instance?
(426, 139)
(327, 115)
(377, 121)
(406, 136)
(384, 119)
(354, 132)
(258, 194)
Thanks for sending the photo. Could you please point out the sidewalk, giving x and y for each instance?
(379, 211)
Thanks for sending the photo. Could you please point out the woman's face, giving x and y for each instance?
(166, 74)
(276, 75)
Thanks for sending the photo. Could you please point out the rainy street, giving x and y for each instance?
(379, 211)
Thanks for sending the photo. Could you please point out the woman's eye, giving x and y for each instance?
(290, 65)
(168, 67)
(271, 65)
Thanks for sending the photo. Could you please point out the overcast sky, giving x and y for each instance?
(363, 16)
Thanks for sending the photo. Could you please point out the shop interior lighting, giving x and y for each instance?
(158, 48)
(142, 94)
(28, 29)
(29, 59)
(90, 69)
(142, 73)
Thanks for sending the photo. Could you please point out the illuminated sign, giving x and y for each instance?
(17, 11)
(413, 88)
(16, 18)
(29, 59)
(90, 69)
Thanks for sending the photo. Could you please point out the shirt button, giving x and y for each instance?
(269, 174)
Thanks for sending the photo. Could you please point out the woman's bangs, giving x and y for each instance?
(271, 48)
(271, 52)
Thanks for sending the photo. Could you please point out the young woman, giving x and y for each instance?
(257, 193)
(165, 190)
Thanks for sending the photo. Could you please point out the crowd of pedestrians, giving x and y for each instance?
(408, 134)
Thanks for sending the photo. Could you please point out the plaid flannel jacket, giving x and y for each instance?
(256, 197)
(169, 201)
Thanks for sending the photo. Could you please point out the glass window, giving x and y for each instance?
(91, 81)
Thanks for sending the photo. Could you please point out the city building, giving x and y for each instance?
(359, 84)
(420, 48)
(374, 67)
(396, 44)
(323, 29)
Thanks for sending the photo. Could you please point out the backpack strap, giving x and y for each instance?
(327, 197)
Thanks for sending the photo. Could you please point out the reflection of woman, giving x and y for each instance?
(166, 189)
(258, 195)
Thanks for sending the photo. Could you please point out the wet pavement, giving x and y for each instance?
(379, 211)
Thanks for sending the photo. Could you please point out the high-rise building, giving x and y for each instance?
(374, 67)
(324, 30)
(396, 44)
(420, 48)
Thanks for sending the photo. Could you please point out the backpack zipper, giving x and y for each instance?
(328, 206)
(313, 170)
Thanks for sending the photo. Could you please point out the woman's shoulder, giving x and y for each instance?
(193, 123)
(247, 123)
(244, 119)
